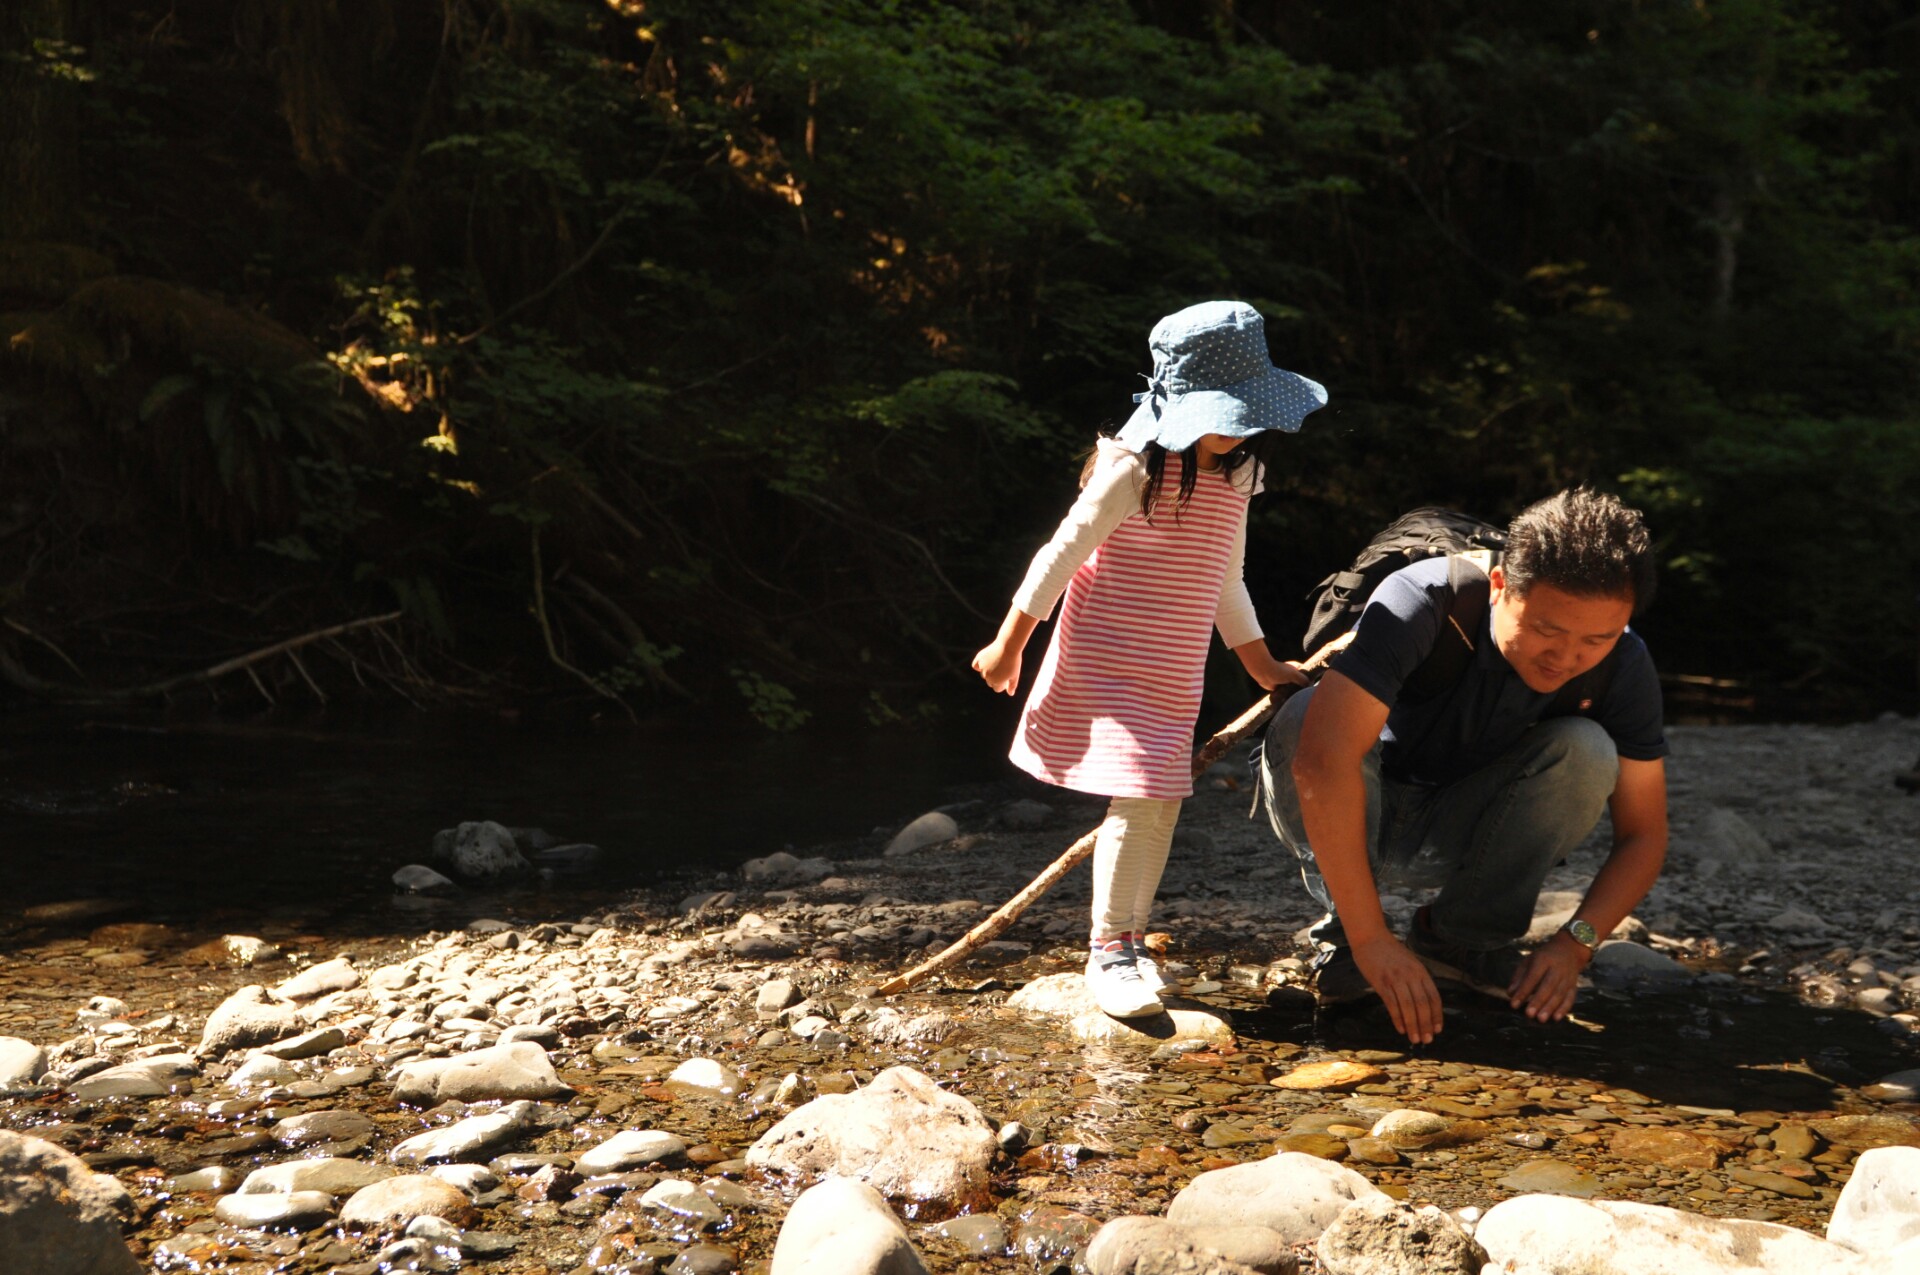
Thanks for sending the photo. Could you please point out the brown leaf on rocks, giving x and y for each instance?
(1334, 1073)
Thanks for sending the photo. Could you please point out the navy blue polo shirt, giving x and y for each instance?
(1459, 731)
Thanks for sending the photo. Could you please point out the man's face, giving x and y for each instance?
(1551, 636)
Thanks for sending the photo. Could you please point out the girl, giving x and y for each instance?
(1149, 559)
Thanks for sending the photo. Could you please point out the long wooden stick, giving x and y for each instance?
(1212, 751)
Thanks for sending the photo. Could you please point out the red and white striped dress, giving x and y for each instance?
(1113, 709)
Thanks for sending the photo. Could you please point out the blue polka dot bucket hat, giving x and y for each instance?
(1212, 375)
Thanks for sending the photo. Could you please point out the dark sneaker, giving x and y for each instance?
(1489, 972)
(1337, 978)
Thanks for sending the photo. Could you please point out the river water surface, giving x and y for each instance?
(307, 818)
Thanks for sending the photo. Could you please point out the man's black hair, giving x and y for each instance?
(1584, 542)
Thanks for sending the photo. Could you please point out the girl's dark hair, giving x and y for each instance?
(1585, 542)
(1256, 449)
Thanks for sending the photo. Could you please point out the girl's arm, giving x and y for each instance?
(1111, 493)
(999, 660)
(1240, 628)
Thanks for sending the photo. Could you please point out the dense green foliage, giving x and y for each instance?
(744, 349)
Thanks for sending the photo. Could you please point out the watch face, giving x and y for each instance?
(1583, 933)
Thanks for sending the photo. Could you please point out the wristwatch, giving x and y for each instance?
(1584, 934)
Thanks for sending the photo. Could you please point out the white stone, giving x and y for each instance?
(1065, 997)
(251, 1016)
(1556, 1235)
(418, 877)
(21, 1062)
(316, 981)
(843, 1227)
(902, 1134)
(929, 829)
(392, 1204)
(475, 1138)
(708, 1076)
(262, 1070)
(506, 1072)
(1879, 1208)
(1297, 1195)
(335, 1175)
(296, 1210)
(629, 1149)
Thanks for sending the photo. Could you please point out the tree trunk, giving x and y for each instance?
(39, 142)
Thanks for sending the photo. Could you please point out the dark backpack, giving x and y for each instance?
(1472, 548)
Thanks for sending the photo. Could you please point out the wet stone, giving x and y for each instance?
(1551, 1177)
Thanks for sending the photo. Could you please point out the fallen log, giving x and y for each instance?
(1210, 752)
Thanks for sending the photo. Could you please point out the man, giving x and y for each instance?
(1483, 787)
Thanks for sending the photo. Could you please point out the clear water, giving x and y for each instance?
(190, 820)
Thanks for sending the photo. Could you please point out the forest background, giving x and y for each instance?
(740, 352)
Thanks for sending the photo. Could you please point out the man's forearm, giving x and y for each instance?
(1623, 881)
(1333, 805)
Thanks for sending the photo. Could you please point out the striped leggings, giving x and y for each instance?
(1128, 858)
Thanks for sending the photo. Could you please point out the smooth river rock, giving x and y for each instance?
(1552, 1235)
(505, 1072)
(1294, 1194)
(843, 1227)
(391, 1204)
(1147, 1245)
(57, 1216)
(1065, 997)
(251, 1016)
(1879, 1208)
(903, 1135)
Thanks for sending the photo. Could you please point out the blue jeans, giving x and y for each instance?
(1487, 840)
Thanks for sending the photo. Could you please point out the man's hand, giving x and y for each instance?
(1547, 980)
(1404, 985)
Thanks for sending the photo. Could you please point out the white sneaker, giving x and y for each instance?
(1149, 970)
(1114, 979)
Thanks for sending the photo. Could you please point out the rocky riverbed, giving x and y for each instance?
(652, 1086)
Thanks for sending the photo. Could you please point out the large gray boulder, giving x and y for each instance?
(1556, 1235)
(480, 851)
(57, 1216)
(251, 1016)
(1297, 1195)
(504, 1072)
(843, 1227)
(903, 1135)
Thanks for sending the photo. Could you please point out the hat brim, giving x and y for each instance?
(1279, 400)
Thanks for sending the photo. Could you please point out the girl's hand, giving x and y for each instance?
(999, 667)
(1264, 669)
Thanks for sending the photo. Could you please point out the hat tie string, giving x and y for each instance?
(1156, 390)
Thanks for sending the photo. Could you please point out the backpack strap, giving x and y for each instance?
(1446, 664)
